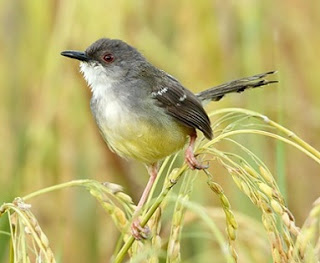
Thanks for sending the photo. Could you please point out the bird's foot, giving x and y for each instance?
(139, 232)
(192, 161)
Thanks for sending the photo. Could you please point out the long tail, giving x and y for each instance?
(239, 85)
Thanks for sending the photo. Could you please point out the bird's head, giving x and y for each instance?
(107, 60)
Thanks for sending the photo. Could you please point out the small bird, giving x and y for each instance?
(142, 112)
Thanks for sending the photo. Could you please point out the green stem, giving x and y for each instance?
(174, 177)
(287, 132)
(57, 187)
(246, 131)
(4, 233)
(295, 138)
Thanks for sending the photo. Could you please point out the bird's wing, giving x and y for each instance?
(181, 104)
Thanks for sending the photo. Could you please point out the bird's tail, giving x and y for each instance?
(239, 85)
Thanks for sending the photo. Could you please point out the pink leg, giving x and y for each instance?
(137, 231)
(191, 160)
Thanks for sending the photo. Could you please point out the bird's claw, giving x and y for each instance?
(139, 232)
(192, 161)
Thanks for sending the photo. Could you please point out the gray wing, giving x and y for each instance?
(181, 104)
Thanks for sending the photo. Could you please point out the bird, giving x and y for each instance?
(144, 113)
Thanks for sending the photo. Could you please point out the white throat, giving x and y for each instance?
(97, 78)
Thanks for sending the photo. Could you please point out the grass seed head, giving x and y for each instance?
(266, 189)
(231, 232)
(276, 207)
(266, 175)
(251, 171)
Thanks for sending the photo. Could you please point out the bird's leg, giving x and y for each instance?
(191, 160)
(139, 232)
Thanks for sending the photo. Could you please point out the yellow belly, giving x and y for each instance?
(146, 142)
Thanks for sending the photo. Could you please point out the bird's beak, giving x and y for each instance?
(79, 55)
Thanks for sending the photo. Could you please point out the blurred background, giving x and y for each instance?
(48, 135)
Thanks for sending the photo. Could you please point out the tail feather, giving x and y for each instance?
(239, 85)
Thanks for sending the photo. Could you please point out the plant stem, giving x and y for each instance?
(279, 127)
(253, 131)
(173, 179)
(57, 187)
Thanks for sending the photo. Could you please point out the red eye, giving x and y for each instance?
(108, 58)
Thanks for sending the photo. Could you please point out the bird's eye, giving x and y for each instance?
(108, 58)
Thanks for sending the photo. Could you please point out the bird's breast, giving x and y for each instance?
(138, 129)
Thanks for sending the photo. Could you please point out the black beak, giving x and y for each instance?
(79, 55)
